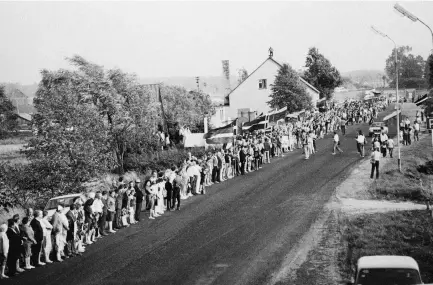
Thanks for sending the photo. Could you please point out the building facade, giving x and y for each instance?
(253, 94)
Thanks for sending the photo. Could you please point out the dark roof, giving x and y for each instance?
(277, 63)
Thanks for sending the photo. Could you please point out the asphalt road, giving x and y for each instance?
(238, 233)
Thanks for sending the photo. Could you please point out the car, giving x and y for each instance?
(386, 270)
(65, 201)
(375, 128)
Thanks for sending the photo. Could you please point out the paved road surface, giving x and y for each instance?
(238, 233)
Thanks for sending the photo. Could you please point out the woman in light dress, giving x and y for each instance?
(185, 179)
(161, 188)
(47, 243)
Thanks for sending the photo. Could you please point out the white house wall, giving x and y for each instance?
(248, 94)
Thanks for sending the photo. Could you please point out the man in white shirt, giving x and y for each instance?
(383, 141)
(375, 157)
(390, 145)
(336, 143)
(407, 123)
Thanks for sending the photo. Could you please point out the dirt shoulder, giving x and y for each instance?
(397, 200)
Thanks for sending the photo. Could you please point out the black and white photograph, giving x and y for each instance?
(216, 142)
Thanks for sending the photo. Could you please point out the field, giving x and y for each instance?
(395, 233)
(409, 184)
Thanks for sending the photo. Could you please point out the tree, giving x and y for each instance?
(243, 74)
(8, 116)
(321, 74)
(288, 90)
(428, 71)
(411, 68)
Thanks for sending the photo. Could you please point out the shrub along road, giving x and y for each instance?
(238, 233)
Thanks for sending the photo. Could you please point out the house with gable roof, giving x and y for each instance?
(252, 95)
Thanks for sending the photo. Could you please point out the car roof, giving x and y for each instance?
(387, 261)
(67, 196)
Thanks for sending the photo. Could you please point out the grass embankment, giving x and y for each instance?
(395, 233)
(409, 184)
(10, 149)
(11, 153)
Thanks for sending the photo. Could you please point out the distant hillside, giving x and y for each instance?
(371, 78)
(212, 85)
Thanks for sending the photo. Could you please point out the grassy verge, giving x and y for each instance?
(409, 184)
(18, 139)
(395, 233)
(12, 154)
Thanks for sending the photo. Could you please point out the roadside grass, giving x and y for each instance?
(15, 140)
(410, 184)
(11, 153)
(394, 233)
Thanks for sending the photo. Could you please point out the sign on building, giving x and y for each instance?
(430, 123)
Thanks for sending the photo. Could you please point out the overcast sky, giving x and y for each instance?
(158, 39)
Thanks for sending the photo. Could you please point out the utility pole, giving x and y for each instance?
(197, 80)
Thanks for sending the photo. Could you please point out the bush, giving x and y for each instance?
(427, 168)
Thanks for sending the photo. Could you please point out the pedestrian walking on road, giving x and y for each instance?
(375, 157)
(360, 143)
(390, 145)
(336, 143)
(416, 129)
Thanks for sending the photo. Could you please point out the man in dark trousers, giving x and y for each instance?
(103, 219)
(139, 196)
(119, 201)
(70, 235)
(242, 159)
(39, 237)
(15, 247)
(177, 185)
(169, 189)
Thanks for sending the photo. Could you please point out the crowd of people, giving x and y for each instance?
(39, 237)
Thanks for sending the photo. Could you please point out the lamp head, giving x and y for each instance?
(405, 13)
(378, 32)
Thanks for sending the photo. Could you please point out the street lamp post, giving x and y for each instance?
(396, 91)
(412, 17)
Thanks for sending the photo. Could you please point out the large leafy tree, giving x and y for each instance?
(8, 116)
(288, 90)
(321, 73)
(428, 73)
(411, 68)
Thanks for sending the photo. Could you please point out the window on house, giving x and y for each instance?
(221, 114)
(262, 84)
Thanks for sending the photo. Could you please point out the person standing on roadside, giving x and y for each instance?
(336, 143)
(375, 157)
(343, 123)
(139, 196)
(111, 210)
